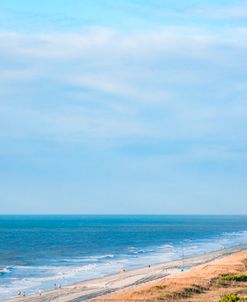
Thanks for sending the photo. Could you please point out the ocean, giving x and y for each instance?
(38, 251)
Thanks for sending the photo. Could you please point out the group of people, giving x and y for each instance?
(57, 286)
(23, 294)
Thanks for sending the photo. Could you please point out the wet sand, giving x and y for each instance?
(124, 284)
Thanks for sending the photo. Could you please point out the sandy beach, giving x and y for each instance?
(137, 283)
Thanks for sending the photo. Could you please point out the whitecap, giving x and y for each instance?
(5, 270)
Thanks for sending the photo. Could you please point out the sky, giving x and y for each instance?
(123, 107)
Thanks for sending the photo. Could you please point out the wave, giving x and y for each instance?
(135, 251)
(5, 270)
(88, 259)
(100, 257)
(167, 247)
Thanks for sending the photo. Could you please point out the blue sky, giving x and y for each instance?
(123, 106)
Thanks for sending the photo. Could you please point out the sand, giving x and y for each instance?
(161, 280)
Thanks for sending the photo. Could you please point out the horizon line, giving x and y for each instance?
(118, 214)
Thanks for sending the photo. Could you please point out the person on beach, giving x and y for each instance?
(19, 293)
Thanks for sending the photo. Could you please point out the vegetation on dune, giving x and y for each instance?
(238, 278)
(160, 287)
(189, 291)
(229, 280)
(163, 292)
(233, 297)
(245, 263)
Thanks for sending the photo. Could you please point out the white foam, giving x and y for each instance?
(5, 269)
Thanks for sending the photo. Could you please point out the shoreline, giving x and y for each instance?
(95, 288)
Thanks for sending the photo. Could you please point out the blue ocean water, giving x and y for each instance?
(38, 251)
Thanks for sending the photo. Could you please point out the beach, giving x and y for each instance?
(136, 283)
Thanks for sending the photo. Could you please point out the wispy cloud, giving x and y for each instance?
(174, 82)
(238, 11)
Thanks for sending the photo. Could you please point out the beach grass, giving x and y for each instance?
(237, 278)
(233, 297)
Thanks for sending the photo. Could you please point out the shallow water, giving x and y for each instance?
(38, 251)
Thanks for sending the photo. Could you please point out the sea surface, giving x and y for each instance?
(37, 252)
